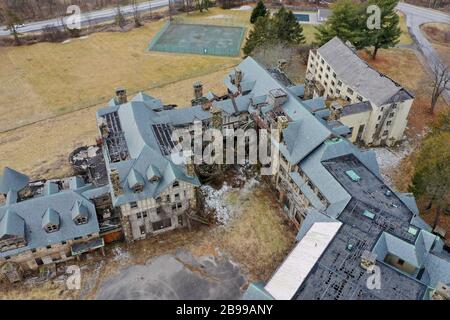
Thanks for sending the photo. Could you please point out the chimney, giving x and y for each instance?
(216, 118)
(442, 292)
(367, 259)
(115, 181)
(198, 90)
(277, 97)
(237, 78)
(121, 95)
(190, 168)
(282, 122)
(282, 63)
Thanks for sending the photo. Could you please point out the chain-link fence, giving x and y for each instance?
(182, 35)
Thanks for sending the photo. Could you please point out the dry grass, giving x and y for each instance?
(439, 36)
(41, 150)
(405, 37)
(260, 238)
(48, 79)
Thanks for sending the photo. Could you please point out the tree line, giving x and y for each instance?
(370, 24)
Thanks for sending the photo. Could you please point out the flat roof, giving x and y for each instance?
(291, 274)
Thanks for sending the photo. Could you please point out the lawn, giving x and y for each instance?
(48, 79)
(405, 37)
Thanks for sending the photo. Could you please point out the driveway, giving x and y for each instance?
(415, 17)
(176, 276)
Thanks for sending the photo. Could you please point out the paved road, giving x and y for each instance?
(176, 276)
(416, 16)
(88, 17)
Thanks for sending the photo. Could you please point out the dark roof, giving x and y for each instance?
(356, 108)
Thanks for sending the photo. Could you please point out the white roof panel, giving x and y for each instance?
(294, 270)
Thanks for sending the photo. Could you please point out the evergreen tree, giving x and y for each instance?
(261, 34)
(286, 27)
(388, 35)
(259, 11)
(347, 21)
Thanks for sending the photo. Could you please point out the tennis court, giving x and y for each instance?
(199, 39)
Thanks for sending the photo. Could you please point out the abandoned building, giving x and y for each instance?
(55, 224)
(348, 219)
(377, 107)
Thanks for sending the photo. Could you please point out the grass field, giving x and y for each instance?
(405, 38)
(439, 36)
(48, 79)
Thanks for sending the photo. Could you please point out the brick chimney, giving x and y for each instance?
(121, 95)
(198, 90)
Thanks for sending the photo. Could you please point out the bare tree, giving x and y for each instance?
(441, 82)
(13, 22)
(136, 14)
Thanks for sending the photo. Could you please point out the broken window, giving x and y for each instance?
(388, 123)
(162, 224)
(176, 184)
(385, 132)
(133, 204)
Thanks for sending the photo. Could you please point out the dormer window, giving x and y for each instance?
(80, 214)
(153, 174)
(135, 181)
(50, 221)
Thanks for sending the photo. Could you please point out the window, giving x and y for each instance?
(177, 197)
(351, 130)
(326, 75)
(144, 214)
(349, 90)
(158, 210)
(80, 220)
(391, 114)
(377, 125)
(311, 65)
(348, 98)
(51, 228)
(320, 76)
(49, 247)
(338, 91)
(334, 75)
(174, 207)
(133, 205)
(325, 83)
(379, 117)
(385, 132)
(179, 205)
(7, 257)
(322, 61)
(332, 82)
(331, 91)
(328, 68)
(321, 69)
(180, 220)
(339, 83)
(162, 224)
(359, 98)
(168, 198)
(63, 242)
(139, 215)
(33, 250)
(158, 200)
(176, 184)
(382, 108)
(77, 238)
(388, 123)
(401, 261)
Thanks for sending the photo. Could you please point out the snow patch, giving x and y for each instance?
(243, 8)
(219, 202)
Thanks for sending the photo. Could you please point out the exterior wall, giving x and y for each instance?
(31, 259)
(335, 88)
(354, 122)
(171, 204)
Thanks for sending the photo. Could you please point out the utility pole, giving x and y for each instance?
(170, 10)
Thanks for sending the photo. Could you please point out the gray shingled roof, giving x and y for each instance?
(12, 180)
(32, 213)
(356, 108)
(372, 85)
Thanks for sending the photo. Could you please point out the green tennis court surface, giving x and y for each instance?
(199, 39)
